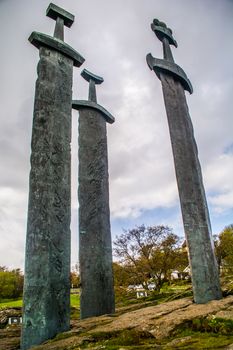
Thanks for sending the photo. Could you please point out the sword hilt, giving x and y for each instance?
(61, 17)
(93, 80)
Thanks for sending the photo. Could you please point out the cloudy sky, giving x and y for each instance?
(115, 37)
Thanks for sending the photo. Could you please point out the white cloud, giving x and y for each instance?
(12, 224)
(218, 176)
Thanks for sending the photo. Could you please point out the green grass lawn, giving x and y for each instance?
(10, 303)
(74, 301)
(130, 298)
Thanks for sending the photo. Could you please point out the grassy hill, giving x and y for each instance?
(166, 321)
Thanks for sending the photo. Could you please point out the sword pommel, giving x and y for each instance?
(90, 76)
(54, 12)
(162, 31)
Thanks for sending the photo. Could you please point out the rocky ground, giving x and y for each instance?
(178, 324)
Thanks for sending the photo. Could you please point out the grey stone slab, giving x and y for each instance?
(47, 268)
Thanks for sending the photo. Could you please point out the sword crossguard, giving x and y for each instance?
(92, 99)
(56, 42)
(163, 66)
(167, 64)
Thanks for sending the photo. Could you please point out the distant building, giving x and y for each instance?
(14, 320)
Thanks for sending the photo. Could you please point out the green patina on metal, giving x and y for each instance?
(46, 299)
(205, 277)
(95, 249)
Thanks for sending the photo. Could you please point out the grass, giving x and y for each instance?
(168, 292)
(198, 340)
(132, 339)
(129, 338)
(202, 333)
(75, 300)
(123, 299)
(9, 303)
(210, 324)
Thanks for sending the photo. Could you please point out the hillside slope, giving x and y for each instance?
(178, 324)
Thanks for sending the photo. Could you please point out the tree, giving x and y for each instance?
(125, 275)
(121, 277)
(224, 248)
(75, 277)
(11, 283)
(151, 253)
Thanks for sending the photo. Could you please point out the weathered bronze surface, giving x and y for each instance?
(205, 277)
(95, 250)
(46, 297)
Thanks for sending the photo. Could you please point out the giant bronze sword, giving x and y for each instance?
(46, 300)
(95, 250)
(204, 270)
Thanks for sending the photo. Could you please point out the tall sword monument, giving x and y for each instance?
(46, 299)
(205, 277)
(95, 250)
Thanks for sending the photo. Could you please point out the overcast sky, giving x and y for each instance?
(115, 37)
